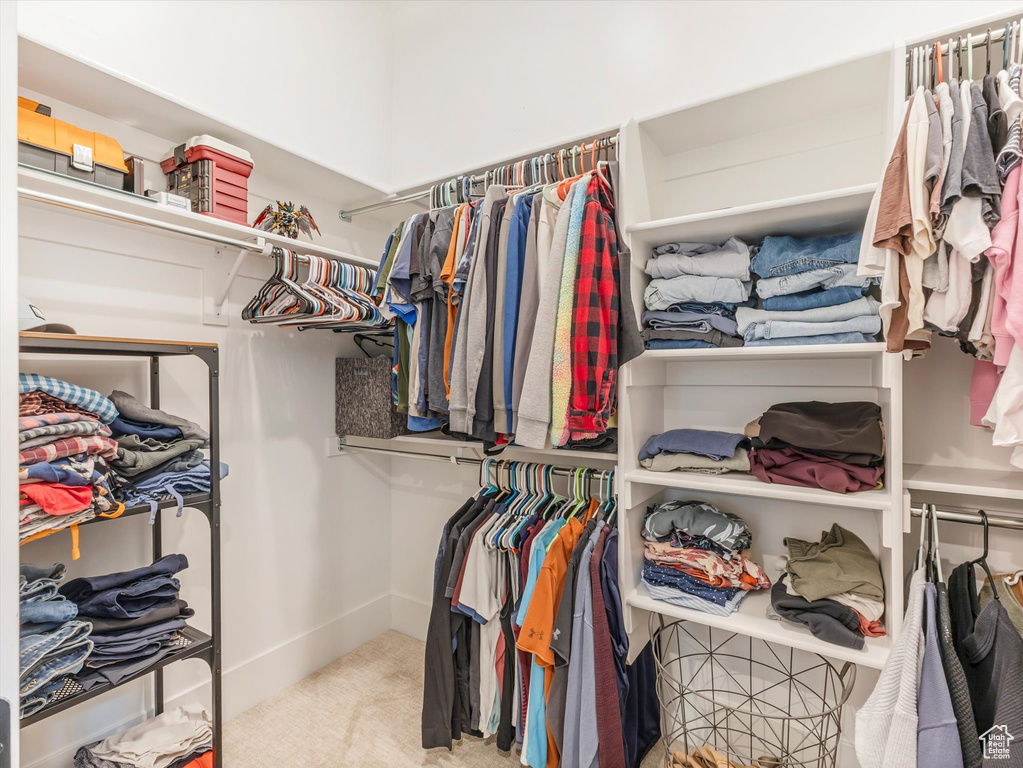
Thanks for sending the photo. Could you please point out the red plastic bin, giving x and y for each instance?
(213, 174)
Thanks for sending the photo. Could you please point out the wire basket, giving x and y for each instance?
(754, 702)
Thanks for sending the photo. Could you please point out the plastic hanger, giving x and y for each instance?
(921, 551)
(969, 56)
(1013, 580)
(982, 560)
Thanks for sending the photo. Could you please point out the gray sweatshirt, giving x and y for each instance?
(535, 406)
(529, 300)
(937, 732)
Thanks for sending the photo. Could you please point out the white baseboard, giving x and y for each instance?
(409, 616)
(250, 682)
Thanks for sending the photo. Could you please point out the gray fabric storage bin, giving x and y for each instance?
(363, 399)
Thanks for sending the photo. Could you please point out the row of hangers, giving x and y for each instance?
(924, 63)
(928, 555)
(548, 168)
(333, 295)
(527, 488)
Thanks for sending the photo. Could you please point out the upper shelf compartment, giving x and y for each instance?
(805, 136)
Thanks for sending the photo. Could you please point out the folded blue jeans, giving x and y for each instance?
(37, 582)
(833, 338)
(678, 344)
(781, 329)
(82, 588)
(41, 696)
(688, 321)
(661, 294)
(48, 611)
(829, 297)
(48, 655)
(728, 260)
(787, 255)
(863, 306)
(837, 276)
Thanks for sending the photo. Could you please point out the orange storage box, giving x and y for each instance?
(53, 145)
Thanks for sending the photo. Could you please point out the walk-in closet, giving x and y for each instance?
(585, 383)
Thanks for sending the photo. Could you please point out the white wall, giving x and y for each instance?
(300, 585)
(542, 72)
(313, 77)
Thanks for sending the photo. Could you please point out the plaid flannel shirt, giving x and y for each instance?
(37, 403)
(88, 399)
(69, 446)
(595, 318)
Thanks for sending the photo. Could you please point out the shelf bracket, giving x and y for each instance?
(216, 309)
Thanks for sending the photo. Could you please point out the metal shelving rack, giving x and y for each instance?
(203, 646)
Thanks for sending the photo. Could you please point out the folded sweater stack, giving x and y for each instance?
(835, 446)
(833, 586)
(692, 299)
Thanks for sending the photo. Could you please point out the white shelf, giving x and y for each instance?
(751, 620)
(981, 483)
(453, 447)
(831, 212)
(76, 192)
(741, 484)
(795, 352)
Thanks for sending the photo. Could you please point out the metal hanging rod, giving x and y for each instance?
(570, 152)
(561, 471)
(959, 42)
(972, 518)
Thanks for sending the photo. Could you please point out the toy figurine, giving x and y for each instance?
(286, 220)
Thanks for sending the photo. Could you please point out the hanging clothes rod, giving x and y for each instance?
(570, 152)
(959, 42)
(561, 471)
(972, 518)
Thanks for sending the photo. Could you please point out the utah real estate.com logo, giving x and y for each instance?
(996, 741)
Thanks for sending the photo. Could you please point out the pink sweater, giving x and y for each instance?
(1007, 313)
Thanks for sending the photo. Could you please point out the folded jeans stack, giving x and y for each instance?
(694, 557)
(179, 738)
(696, 450)
(810, 294)
(834, 587)
(136, 615)
(835, 446)
(692, 298)
(64, 442)
(54, 644)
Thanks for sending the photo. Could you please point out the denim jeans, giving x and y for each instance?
(864, 306)
(41, 696)
(813, 299)
(36, 612)
(724, 310)
(661, 294)
(688, 321)
(836, 276)
(133, 600)
(52, 654)
(833, 338)
(780, 329)
(683, 344)
(39, 582)
(787, 255)
(83, 588)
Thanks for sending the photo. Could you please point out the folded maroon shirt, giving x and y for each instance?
(791, 466)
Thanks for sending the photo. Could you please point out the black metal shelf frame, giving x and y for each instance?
(203, 646)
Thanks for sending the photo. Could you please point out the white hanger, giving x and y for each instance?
(925, 510)
(1015, 578)
(969, 56)
(950, 70)
(934, 535)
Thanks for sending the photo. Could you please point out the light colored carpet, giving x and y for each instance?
(361, 711)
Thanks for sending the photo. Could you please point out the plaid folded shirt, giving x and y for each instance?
(47, 419)
(29, 438)
(36, 403)
(69, 446)
(595, 312)
(88, 399)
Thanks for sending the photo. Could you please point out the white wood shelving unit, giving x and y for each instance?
(786, 176)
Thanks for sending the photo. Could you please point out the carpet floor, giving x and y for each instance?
(361, 711)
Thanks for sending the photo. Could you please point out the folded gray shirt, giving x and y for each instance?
(730, 259)
(131, 408)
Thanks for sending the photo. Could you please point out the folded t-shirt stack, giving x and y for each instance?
(835, 446)
(179, 738)
(692, 298)
(696, 557)
(65, 440)
(54, 642)
(136, 619)
(810, 294)
(158, 455)
(833, 586)
(696, 450)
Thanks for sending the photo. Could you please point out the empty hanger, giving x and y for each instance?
(982, 560)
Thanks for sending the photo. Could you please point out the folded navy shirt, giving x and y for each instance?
(701, 442)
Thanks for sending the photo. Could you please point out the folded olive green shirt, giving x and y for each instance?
(135, 456)
(839, 563)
